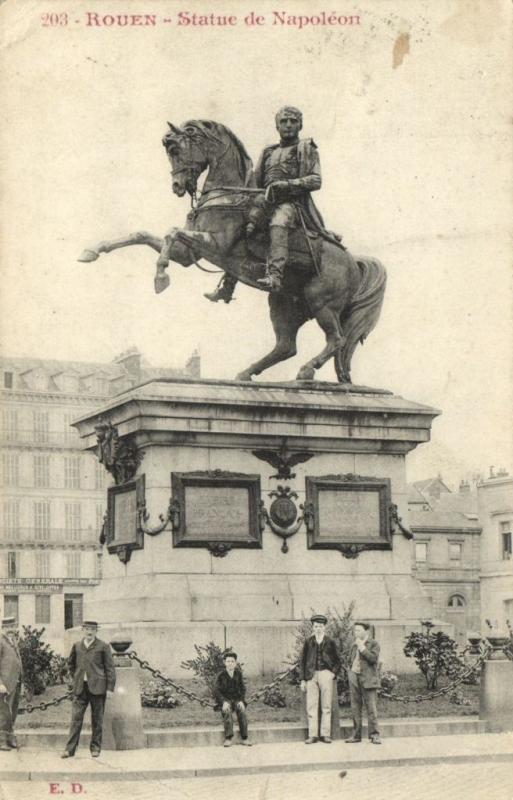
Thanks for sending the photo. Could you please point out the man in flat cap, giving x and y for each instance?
(364, 682)
(318, 668)
(289, 171)
(230, 695)
(92, 668)
(10, 682)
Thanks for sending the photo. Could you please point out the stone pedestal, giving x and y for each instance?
(122, 722)
(168, 596)
(496, 695)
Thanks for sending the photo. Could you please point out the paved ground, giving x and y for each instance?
(486, 781)
(184, 763)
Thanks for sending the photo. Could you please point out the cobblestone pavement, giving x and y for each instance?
(486, 781)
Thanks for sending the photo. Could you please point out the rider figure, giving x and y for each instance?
(288, 171)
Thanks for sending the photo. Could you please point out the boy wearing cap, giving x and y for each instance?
(364, 682)
(318, 668)
(230, 695)
(10, 682)
(92, 668)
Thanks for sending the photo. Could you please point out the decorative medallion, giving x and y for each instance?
(119, 457)
(219, 549)
(282, 516)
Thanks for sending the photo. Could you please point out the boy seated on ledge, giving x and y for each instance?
(230, 695)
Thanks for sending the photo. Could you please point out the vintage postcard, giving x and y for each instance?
(372, 141)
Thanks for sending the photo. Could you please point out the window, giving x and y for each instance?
(506, 539)
(455, 551)
(11, 606)
(99, 476)
(42, 520)
(456, 602)
(11, 469)
(10, 424)
(41, 426)
(72, 515)
(72, 472)
(42, 471)
(73, 566)
(73, 610)
(421, 551)
(100, 513)
(42, 565)
(98, 567)
(8, 380)
(42, 609)
(11, 519)
(70, 434)
(12, 564)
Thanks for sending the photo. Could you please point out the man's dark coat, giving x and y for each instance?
(95, 664)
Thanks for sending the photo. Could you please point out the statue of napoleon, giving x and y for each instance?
(288, 172)
(261, 227)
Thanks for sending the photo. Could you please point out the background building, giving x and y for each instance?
(446, 551)
(53, 493)
(495, 504)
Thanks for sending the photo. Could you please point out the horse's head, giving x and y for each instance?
(199, 144)
(186, 150)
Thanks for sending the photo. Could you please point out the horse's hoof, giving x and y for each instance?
(306, 374)
(88, 255)
(161, 282)
(243, 376)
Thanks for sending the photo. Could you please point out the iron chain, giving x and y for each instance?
(29, 708)
(419, 698)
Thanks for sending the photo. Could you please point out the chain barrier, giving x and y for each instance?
(178, 689)
(29, 708)
(258, 694)
(419, 698)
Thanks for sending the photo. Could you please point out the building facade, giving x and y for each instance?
(495, 503)
(53, 493)
(446, 552)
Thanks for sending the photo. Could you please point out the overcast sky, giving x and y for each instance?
(416, 165)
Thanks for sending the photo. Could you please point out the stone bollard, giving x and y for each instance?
(496, 695)
(122, 722)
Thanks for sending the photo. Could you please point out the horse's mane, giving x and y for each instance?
(217, 132)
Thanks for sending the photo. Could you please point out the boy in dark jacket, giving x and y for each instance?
(230, 694)
(364, 682)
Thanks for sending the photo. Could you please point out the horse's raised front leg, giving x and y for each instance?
(139, 237)
(286, 317)
(329, 322)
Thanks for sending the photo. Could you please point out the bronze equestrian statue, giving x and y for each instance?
(261, 227)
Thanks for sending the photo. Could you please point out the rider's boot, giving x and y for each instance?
(223, 291)
(278, 257)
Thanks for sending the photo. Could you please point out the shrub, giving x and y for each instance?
(274, 697)
(435, 654)
(156, 695)
(458, 698)
(388, 681)
(57, 672)
(340, 629)
(207, 664)
(36, 657)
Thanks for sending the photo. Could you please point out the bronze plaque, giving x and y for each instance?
(216, 507)
(123, 531)
(125, 517)
(348, 513)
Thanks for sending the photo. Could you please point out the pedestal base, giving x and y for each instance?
(122, 722)
(496, 697)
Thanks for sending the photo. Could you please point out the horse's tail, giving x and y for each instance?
(363, 313)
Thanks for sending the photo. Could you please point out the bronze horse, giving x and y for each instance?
(322, 279)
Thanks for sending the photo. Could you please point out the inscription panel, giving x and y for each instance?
(347, 510)
(348, 515)
(125, 517)
(216, 508)
(218, 512)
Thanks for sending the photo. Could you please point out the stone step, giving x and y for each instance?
(42, 738)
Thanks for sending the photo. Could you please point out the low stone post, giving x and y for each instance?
(496, 697)
(122, 723)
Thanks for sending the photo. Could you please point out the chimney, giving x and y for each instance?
(193, 365)
(464, 487)
(131, 361)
